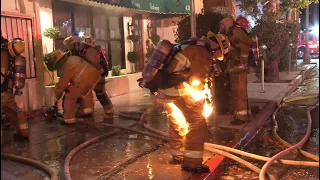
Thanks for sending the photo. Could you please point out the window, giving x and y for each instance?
(107, 30)
(116, 41)
(14, 27)
(62, 20)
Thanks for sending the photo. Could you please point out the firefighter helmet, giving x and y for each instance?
(56, 56)
(67, 41)
(88, 40)
(16, 47)
(243, 22)
(223, 42)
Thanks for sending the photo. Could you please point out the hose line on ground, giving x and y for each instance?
(285, 143)
(31, 162)
(242, 153)
(286, 151)
(69, 157)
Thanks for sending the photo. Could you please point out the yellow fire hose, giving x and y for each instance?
(36, 164)
(285, 143)
(290, 149)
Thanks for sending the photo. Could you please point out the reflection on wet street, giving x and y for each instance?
(292, 122)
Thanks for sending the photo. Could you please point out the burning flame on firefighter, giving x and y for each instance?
(180, 120)
(197, 95)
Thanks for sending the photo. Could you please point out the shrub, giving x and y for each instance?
(133, 57)
(116, 70)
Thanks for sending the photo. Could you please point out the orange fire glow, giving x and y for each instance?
(197, 95)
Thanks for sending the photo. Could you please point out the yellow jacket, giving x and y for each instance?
(78, 72)
(197, 58)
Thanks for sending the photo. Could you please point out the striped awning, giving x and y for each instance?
(152, 6)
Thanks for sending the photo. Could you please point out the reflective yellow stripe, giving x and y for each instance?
(174, 91)
(193, 154)
(243, 112)
(175, 152)
(88, 110)
(72, 120)
(183, 62)
(23, 126)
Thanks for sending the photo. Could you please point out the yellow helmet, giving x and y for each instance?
(16, 47)
(88, 39)
(56, 56)
(223, 42)
(67, 41)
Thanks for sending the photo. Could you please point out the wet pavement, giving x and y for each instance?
(50, 143)
(292, 122)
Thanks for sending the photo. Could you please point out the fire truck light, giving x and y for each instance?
(81, 34)
(315, 30)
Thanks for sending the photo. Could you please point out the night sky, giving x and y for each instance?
(313, 16)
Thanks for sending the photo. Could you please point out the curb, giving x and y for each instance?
(217, 163)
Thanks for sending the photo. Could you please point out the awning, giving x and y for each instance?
(152, 6)
(177, 6)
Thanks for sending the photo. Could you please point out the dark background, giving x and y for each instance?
(313, 16)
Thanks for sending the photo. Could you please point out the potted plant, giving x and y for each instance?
(155, 38)
(133, 57)
(52, 33)
(116, 70)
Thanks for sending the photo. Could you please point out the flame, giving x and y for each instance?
(197, 95)
(180, 120)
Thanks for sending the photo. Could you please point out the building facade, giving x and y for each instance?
(111, 23)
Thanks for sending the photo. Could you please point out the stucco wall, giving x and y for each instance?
(33, 92)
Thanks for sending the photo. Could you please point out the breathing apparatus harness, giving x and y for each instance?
(176, 78)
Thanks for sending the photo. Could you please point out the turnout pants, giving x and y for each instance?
(11, 112)
(104, 100)
(239, 84)
(190, 147)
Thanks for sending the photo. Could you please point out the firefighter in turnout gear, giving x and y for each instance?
(168, 69)
(237, 68)
(77, 80)
(254, 53)
(13, 74)
(96, 57)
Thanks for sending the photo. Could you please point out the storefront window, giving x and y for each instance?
(107, 30)
(82, 19)
(62, 20)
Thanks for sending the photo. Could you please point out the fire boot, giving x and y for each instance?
(105, 101)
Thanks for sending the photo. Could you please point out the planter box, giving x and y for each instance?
(115, 86)
(49, 97)
(119, 85)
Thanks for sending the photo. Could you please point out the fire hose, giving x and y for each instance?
(164, 136)
(223, 150)
(292, 148)
(36, 164)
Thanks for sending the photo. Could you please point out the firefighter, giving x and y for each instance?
(96, 57)
(165, 77)
(254, 53)
(237, 68)
(77, 80)
(13, 74)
